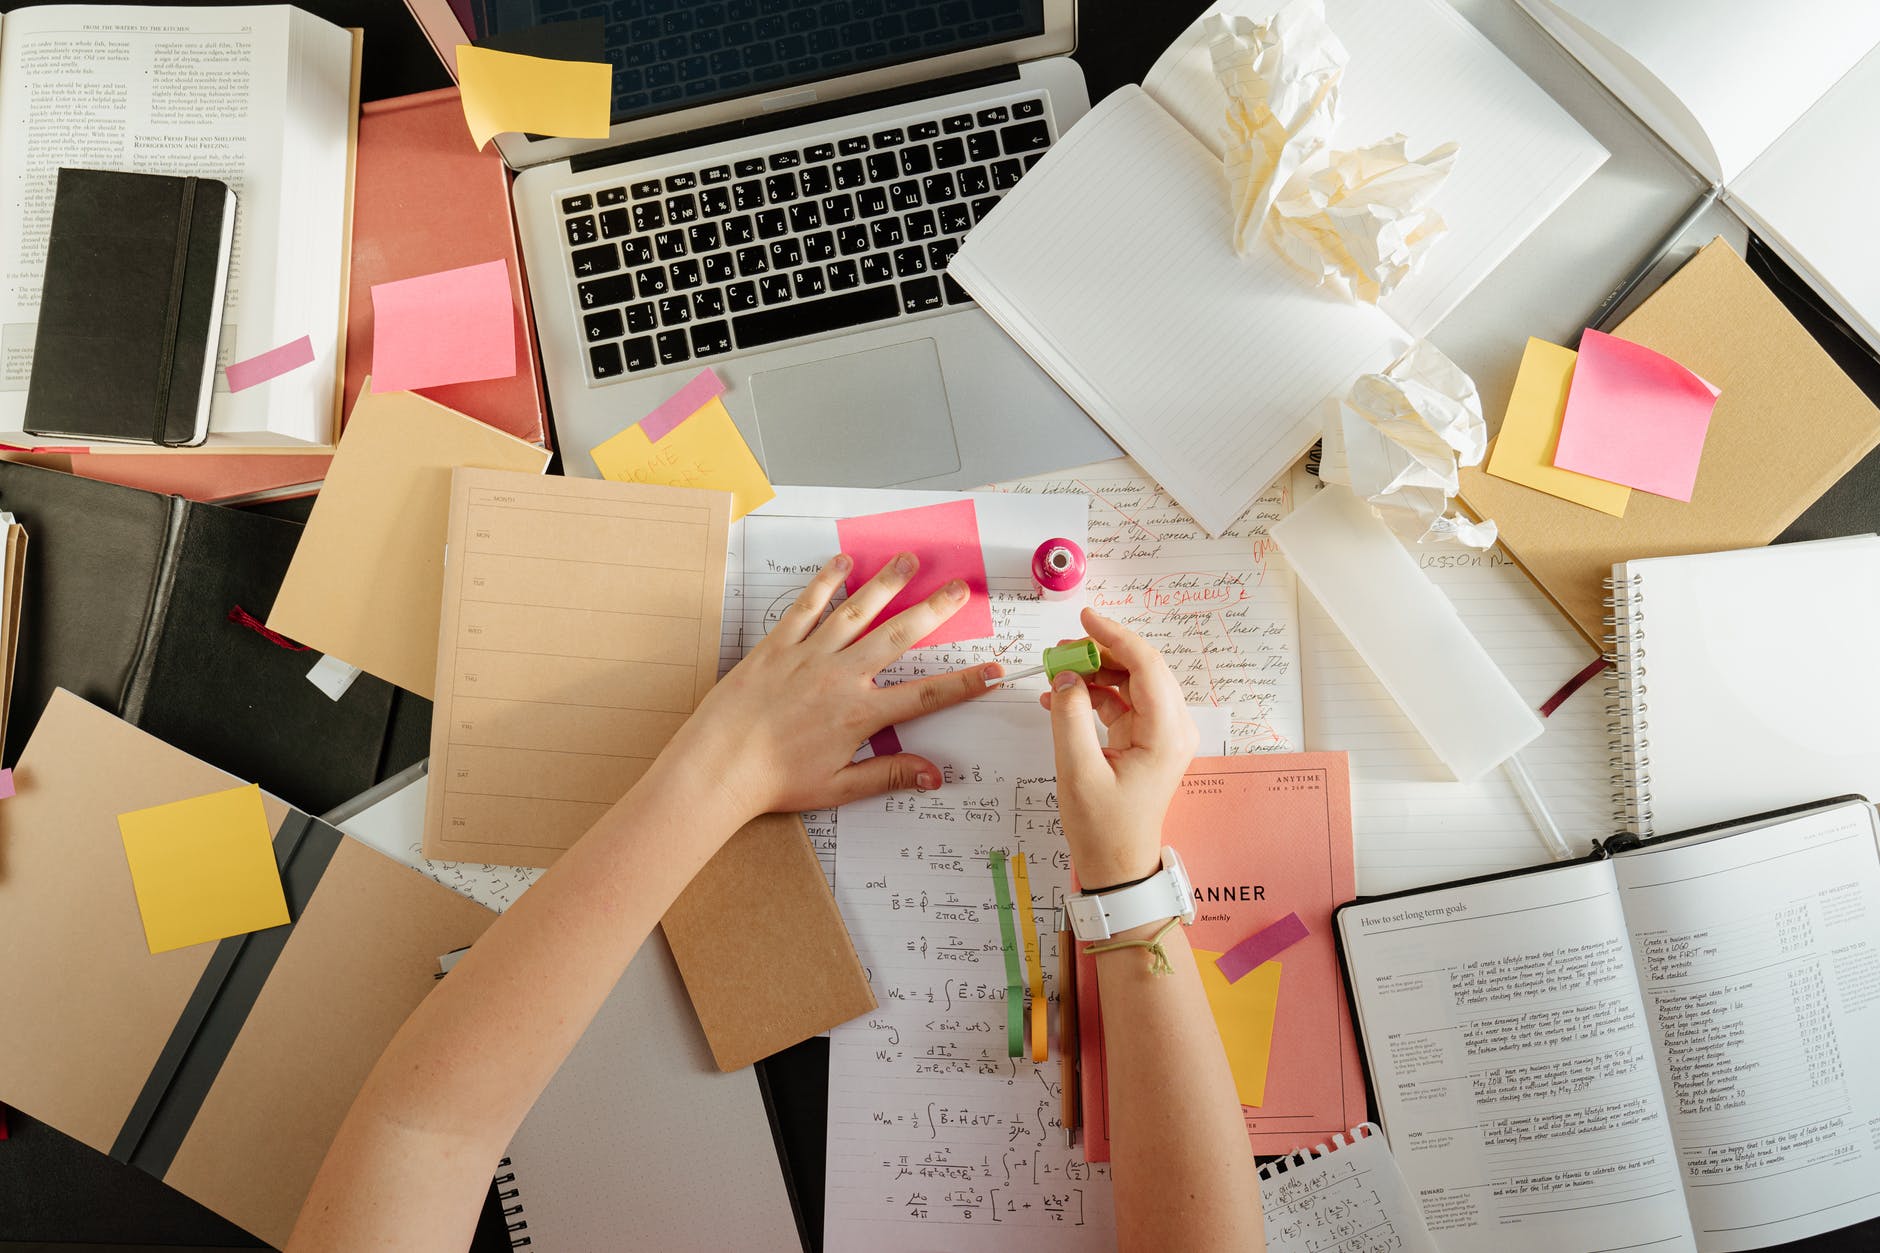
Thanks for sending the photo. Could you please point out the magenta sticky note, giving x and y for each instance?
(1634, 416)
(682, 404)
(1261, 947)
(455, 326)
(273, 363)
(945, 537)
(6, 784)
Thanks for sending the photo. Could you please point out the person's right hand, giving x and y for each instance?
(1112, 800)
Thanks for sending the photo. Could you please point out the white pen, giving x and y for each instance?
(1537, 809)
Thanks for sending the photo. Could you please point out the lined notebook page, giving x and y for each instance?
(1349, 1195)
(1413, 825)
(1418, 67)
(1112, 264)
(581, 625)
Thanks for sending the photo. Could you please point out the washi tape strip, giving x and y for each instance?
(1008, 943)
(688, 400)
(1034, 958)
(1262, 946)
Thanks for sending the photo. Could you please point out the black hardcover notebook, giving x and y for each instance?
(131, 310)
(1661, 1046)
(129, 608)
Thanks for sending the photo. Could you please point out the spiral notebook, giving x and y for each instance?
(1743, 681)
(1345, 1195)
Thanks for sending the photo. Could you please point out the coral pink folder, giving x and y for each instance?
(1262, 836)
(424, 200)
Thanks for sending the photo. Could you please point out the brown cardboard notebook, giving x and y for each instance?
(364, 582)
(1787, 425)
(222, 1068)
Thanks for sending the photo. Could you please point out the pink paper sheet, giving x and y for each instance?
(946, 539)
(1634, 416)
(455, 326)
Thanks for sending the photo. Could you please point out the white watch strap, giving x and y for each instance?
(1100, 917)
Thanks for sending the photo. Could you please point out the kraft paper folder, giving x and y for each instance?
(224, 1068)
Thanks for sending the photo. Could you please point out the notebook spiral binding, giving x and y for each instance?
(1302, 1158)
(509, 1196)
(1628, 722)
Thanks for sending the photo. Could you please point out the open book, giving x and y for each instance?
(1113, 263)
(1770, 101)
(1660, 1049)
(263, 98)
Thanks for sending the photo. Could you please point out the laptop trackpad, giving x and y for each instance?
(867, 419)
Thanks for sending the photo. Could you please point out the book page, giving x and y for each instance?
(1513, 1067)
(1759, 954)
(176, 91)
(1222, 611)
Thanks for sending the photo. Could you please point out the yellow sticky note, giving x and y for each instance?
(203, 868)
(1524, 451)
(705, 450)
(505, 91)
(1244, 1013)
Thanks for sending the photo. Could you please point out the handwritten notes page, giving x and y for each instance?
(1350, 1197)
(395, 827)
(936, 1137)
(1221, 610)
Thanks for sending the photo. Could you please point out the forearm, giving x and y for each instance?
(414, 1156)
(1185, 1175)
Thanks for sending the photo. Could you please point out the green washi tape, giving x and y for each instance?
(1014, 969)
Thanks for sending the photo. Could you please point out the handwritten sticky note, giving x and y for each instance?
(945, 537)
(703, 450)
(1244, 1013)
(273, 363)
(1262, 946)
(1524, 451)
(203, 868)
(1634, 416)
(504, 91)
(454, 326)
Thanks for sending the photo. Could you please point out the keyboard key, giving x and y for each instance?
(848, 174)
(851, 240)
(669, 245)
(838, 209)
(711, 339)
(686, 275)
(640, 317)
(983, 206)
(741, 296)
(675, 310)
(681, 209)
(785, 160)
(816, 180)
(916, 160)
(581, 231)
(852, 145)
(714, 201)
(1005, 174)
(920, 295)
(605, 359)
(647, 217)
(681, 182)
(598, 293)
(957, 123)
(940, 252)
(649, 187)
(882, 167)
(719, 268)
(955, 219)
(871, 201)
(774, 288)
(905, 195)
(808, 282)
(639, 353)
(820, 246)
(785, 253)
(924, 130)
(637, 251)
(615, 223)
(1033, 159)
(876, 267)
(607, 324)
(598, 260)
(748, 167)
(805, 216)
(703, 237)
(981, 146)
(1025, 137)
(974, 181)
(921, 225)
(938, 188)
(715, 174)
(815, 317)
(753, 260)
(739, 230)
(772, 223)
(672, 347)
(956, 295)
(844, 275)
(708, 304)
(650, 282)
(611, 195)
(995, 116)
(1028, 108)
(886, 233)
(949, 153)
(819, 152)
(750, 195)
(889, 139)
(909, 261)
(577, 204)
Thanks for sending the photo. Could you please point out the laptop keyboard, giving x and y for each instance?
(798, 242)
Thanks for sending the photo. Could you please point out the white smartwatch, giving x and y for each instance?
(1164, 894)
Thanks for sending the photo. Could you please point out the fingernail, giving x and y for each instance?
(905, 563)
(926, 781)
(991, 672)
(1065, 681)
(841, 563)
(955, 590)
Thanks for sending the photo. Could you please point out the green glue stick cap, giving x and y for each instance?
(1079, 655)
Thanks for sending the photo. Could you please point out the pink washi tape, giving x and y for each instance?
(1057, 569)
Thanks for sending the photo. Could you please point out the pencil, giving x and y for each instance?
(1067, 1028)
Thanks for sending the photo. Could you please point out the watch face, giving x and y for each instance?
(1178, 877)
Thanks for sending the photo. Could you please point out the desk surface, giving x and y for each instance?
(55, 1190)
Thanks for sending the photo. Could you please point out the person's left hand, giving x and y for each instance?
(782, 728)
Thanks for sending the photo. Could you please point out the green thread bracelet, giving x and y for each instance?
(1160, 964)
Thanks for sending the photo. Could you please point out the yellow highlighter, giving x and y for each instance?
(1081, 656)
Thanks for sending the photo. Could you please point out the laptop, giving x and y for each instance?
(782, 188)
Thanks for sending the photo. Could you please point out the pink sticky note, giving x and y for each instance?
(681, 405)
(1261, 947)
(1634, 416)
(455, 326)
(946, 539)
(6, 784)
(270, 364)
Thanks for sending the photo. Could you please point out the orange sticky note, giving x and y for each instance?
(454, 326)
(1244, 1012)
(203, 868)
(506, 91)
(1634, 416)
(1524, 451)
(703, 450)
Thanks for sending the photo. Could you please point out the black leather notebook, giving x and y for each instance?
(127, 604)
(131, 310)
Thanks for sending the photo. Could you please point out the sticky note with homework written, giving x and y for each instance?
(702, 450)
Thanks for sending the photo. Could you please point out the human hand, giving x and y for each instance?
(1112, 800)
(782, 728)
